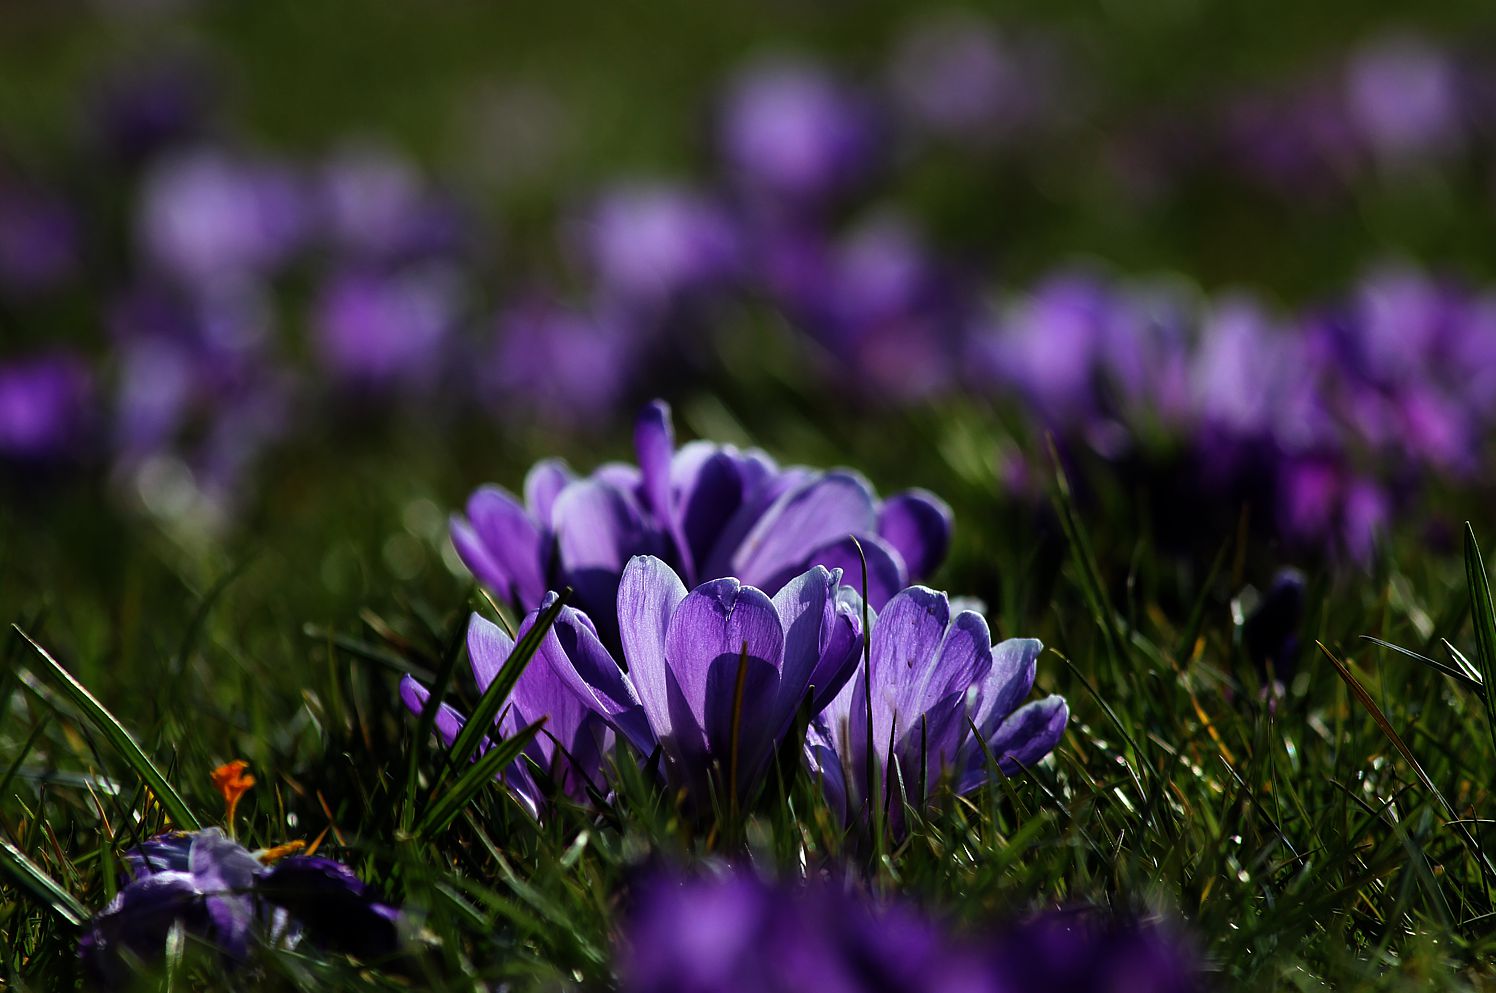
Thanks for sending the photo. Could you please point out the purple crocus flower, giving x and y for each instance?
(572, 744)
(1403, 93)
(651, 244)
(792, 131)
(933, 678)
(735, 932)
(713, 678)
(39, 240)
(377, 207)
(710, 510)
(208, 215)
(43, 406)
(377, 329)
(562, 366)
(222, 893)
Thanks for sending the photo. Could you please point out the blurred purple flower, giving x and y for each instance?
(44, 406)
(933, 677)
(738, 933)
(39, 241)
(378, 330)
(710, 510)
(1404, 96)
(208, 215)
(378, 207)
(1270, 632)
(140, 110)
(713, 678)
(791, 130)
(572, 744)
(557, 366)
(652, 244)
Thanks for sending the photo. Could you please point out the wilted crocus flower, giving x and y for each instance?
(225, 895)
(713, 678)
(933, 678)
(790, 129)
(736, 932)
(208, 215)
(43, 406)
(571, 745)
(378, 329)
(651, 244)
(711, 510)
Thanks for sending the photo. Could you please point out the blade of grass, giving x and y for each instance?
(42, 886)
(1483, 619)
(478, 775)
(121, 739)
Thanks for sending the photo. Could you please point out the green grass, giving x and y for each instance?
(1334, 836)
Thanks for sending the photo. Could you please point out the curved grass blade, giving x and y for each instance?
(489, 705)
(478, 775)
(121, 739)
(42, 886)
(1459, 676)
(1483, 619)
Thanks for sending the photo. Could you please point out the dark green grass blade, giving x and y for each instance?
(478, 775)
(488, 706)
(1483, 619)
(1458, 675)
(120, 738)
(41, 886)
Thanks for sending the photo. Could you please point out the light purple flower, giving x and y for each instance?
(711, 510)
(933, 677)
(572, 744)
(377, 207)
(557, 366)
(1403, 93)
(207, 215)
(651, 244)
(44, 406)
(712, 678)
(790, 129)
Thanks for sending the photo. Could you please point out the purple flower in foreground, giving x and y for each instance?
(709, 510)
(221, 893)
(792, 130)
(934, 677)
(571, 745)
(739, 933)
(43, 406)
(715, 677)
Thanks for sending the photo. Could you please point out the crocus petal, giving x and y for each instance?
(886, 574)
(138, 920)
(475, 555)
(826, 765)
(1029, 734)
(935, 708)
(918, 524)
(821, 511)
(1014, 663)
(909, 632)
(543, 484)
(708, 487)
(598, 528)
(586, 672)
(488, 649)
(648, 596)
(721, 633)
(841, 650)
(224, 872)
(514, 543)
(807, 615)
(654, 439)
(449, 720)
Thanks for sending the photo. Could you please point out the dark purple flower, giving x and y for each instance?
(651, 244)
(1087, 950)
(710, 510)
(790, 129)
(1270, 632)
(572, 744)
(378, 329)
(713, 678)
(221, 893)
(207, 215)
(933, 678)
(44, 406)
(39, 240)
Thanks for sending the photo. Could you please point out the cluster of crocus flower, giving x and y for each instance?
(736, 932)
(723, 608)
(229, 897)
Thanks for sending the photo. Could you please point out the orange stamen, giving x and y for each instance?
(273, 855)
(232, 782)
